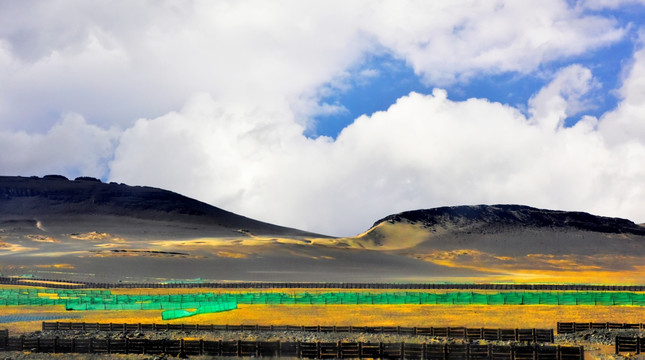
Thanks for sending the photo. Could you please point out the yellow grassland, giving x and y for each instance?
(506, 316)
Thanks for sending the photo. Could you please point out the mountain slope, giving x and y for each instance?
(514, 243)
(504, 216)
(56, 201)
(86, 230)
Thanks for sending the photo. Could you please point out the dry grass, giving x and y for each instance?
(506, 316)
(503, 316)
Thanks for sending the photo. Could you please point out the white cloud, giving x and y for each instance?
(261, 68)
(562, 97)
(449, 41)
(114, 63)
(424, 151)
(627, 122)
(70, 147)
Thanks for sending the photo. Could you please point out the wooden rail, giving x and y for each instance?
(634, 345)
(313, 350)
(520, 335)
(73, 284)
(572, 327)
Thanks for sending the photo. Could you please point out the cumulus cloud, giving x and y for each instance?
(452, 41)
(562, 97)
(114, 63)
(254, 73)
(626, 123)
(424, 151)
(71, 146)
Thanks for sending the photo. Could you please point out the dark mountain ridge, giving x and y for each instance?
(54, 196)
(500, 216)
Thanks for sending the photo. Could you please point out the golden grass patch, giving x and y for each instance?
(91, 236)
(43, 238)
(232, 254)
(542, 268)
(55, 266)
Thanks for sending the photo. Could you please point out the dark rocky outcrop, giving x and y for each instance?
(508, 216)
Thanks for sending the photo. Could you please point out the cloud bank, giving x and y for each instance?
(212, 99)
(424, 151)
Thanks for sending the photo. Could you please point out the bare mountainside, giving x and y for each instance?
(54, 201)
(515, 243)
(83, 229)
(86, 230)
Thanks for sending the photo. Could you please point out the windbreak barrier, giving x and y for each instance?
(203, 309)
(104, 300)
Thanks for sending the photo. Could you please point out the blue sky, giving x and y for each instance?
(328, 115)
(394, 78)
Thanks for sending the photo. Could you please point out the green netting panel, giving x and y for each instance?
(622, 299)
(287, 301)
(604, 299)
(377, 300)
(349, 298)
(549, 299)
(530, 298)
(319, 301)
(566, 299)
(176, 302)
(586, 299)
(513, 299)
(463, 299)
(204, 309)
(302, 301)
(396, 301)
(479, 299)
(151, 306)
(274, 298)
(496, 299)
(170, 306)
(638, 299)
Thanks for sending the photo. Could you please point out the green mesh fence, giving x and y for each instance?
(104, 300)
(203, 309)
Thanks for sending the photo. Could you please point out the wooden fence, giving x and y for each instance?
(520, 335)
(571, 327)
(72, 284)
(312, 350)
(634, 345)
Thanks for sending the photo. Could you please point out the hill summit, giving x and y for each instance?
(512, 216)
(54, 200)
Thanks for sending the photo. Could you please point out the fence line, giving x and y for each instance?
(72, 284)
(313, 350)
(634, 345)
(104, 300)
(521, 335)
(572, 327)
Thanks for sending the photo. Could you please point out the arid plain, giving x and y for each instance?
(59, 230)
